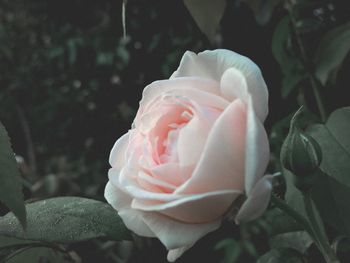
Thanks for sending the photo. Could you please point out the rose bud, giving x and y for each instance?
(303, 154)
(197, 144)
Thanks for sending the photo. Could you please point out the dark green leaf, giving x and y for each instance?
(10, 183)
(282, 50)
(262, 9)
(279, 40)
(11, 242)
(278, 222)
(290, 81)
(232, 249)
(332, 50)
(285, 255)
(332, 200)
(299, 240)
(66, 220)
(334, 139)
(207, 14)
(35, 255)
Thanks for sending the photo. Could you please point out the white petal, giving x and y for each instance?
(155, 181)
(116, 197)
(172, 173)
(174, 254)
(117, 155)
(213, 64)
(194, 134)
(174, 234)
(221, 165)
(157, 88)
(257, 149)
(257, 201)
(197, 208)
(133, 220)
(233, 85)
(140, 193)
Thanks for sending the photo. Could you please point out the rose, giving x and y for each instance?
(196, 144)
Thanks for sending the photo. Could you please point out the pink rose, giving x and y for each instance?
(196, 144)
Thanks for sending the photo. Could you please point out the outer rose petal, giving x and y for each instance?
(198, 208)
(221, 165)
(175, 234)
(117, 198)
(131, 218)
(257, 149)
(233, 85)
(174, 254)
(213, 64)
(117, 155)
(257, 201)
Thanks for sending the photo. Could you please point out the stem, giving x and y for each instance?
(282, 205)
(124, 17)
(28, 138)
(311, 227)
(318, 230)
(316, 85)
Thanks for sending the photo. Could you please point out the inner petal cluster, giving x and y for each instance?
(172, 135)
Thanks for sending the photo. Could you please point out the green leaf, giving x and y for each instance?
(262, 9)
(334, 139)
(279, 40)
(278, 222)
(298, 240)
(11, 242)
(66, 220)
(10, 182)
(231, 248)
(332, 51)
(35, 255)
(332, 200)
(292, 69)
(207, 14)
(290, 81)
(285, 255)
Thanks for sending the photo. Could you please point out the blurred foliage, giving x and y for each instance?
(70, 85)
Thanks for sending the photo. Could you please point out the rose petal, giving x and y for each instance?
(221, 165)
(174, 254)
(233, 85)
(131, 218)
(172, 173)
(193, 136)
(140, 193)
(213, 64)
(116, 197)
(157, 89)
(257, 201)
(117, 155)
(196, 209)
(257, 149)
(155, 181)
(174, 234)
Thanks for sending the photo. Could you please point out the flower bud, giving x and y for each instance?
(303, 154)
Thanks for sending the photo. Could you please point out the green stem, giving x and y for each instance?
(282, 205)
(317, 227)
(312, 226)
(316, 85)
